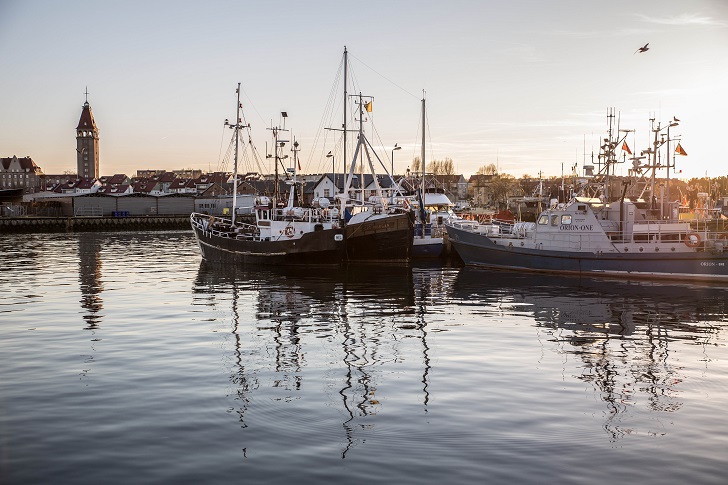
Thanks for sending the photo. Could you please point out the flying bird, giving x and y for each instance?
(674, 118)
(643, 48)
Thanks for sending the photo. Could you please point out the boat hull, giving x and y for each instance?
(380, 240)
(428, 247)
(479, 250)
(325, 247)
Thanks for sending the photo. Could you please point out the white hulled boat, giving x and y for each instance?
(596, 235)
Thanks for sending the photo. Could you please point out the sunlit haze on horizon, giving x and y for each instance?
(524, 85)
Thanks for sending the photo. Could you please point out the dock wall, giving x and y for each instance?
(13, 225)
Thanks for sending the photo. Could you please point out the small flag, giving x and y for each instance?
(679, 150)
(625, 148)
(368, 107)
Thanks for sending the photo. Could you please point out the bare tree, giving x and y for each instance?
(489, 169)
(502, 187)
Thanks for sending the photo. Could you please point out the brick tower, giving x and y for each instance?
(87, 144)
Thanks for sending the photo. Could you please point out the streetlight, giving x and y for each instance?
(396, 147)
(333, 173)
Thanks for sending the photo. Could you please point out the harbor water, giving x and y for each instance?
(128, 359)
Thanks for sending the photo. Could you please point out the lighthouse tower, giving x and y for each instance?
(87, 144)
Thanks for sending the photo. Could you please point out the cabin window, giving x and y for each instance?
(554, 220)
(566, 219)
(581, 208)
(543, 220)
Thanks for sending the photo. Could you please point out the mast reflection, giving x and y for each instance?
(364, 311)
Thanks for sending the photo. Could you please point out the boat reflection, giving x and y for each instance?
(622, 331)
(296, 331)
(366, 317)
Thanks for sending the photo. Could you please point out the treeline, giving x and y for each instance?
(435, 167)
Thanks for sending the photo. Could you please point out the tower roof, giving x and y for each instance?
(86, 122)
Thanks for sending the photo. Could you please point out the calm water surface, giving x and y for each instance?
(125, 358)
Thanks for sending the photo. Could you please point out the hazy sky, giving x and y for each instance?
(524, 84)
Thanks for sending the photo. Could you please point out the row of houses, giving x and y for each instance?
(218, 184)
(22, 173)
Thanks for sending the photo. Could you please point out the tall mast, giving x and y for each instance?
(235, 166)
(275, 162)
(278, 144)
(423, 214)
(346, 73)
(423, 143)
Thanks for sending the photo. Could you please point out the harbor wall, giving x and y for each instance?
(14, 225)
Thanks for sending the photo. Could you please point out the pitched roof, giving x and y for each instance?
(25, 163)
(166, 177)
(179, 184)
(114, 189)
(144, 186)
(481, 178)
(86, 122)
(85, 183)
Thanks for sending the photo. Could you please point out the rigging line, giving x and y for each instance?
(383, 76)
(222, 166)
(256, 155)
(328, 112)
(219, 154)
(428, 136)
(252, 105)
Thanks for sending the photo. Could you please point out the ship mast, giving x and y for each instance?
(422, 182)
(236, 127)
(343, 125)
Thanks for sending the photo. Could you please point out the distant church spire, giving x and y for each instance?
(87, 144)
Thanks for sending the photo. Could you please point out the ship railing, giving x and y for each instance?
(308, 214)
(222, 227)
(471, 226)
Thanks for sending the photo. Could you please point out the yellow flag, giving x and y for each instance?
(368, 107)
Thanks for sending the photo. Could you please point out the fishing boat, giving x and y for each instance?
(282, 233)
(596, 235)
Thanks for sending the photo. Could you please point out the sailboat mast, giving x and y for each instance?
(235, 166)
(422, 182)
(423, 143)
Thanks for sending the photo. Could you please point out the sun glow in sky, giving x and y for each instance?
(524, 85)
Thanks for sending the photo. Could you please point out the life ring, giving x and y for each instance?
(692, 239)
(289, 231)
